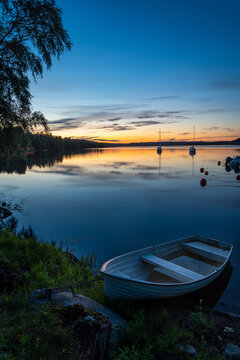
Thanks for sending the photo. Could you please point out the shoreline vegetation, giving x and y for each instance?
(31, 331)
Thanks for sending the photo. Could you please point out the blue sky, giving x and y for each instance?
(136, 66)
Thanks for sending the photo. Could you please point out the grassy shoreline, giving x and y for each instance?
(27, 264)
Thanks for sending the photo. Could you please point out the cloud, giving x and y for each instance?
(183, 117)
(185, 133)
(66, 123)
(114, 119)
(105, 140)
(62, 121)
(220, 128)
(227, 85)
(163, 97)
(115, 127)
(96, 109)
(144, 123)
(100, 120)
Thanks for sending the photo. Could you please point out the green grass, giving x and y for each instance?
(28, 331)
(34, 332)
(152, 337)
(40, 264)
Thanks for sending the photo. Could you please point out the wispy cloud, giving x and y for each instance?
(126, 119)
(105, 140)
(115, 127)
(115, 119)
(129, 120)
(185, 133)
(220, 128)
(227, 85)
(164, 97)
(149, 122)
(66, 123)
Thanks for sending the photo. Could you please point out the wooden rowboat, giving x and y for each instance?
(166, 270)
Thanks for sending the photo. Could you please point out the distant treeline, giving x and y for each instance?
(57, 144)
(14, 140)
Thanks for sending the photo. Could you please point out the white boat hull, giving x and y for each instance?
(129, 289)
(118, 282)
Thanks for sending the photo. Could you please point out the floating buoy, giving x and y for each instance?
(206, 172)
(203, 182)
(219, 163)
(238, 177)
(201, 170)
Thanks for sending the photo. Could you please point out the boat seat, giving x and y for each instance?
(170, 269)
(206, 250)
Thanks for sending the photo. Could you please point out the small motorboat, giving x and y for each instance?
(166, 270)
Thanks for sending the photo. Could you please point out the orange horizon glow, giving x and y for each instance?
(143, 136)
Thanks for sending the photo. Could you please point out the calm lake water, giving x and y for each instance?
(116, 200)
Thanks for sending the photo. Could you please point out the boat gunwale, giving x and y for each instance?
(125, 278)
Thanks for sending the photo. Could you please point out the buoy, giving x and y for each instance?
(219, 163)
(203, 182)
(206, 172)
(202, 170)
(238, 177)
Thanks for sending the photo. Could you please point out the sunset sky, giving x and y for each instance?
(140, 65)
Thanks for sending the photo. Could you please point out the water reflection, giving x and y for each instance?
(41, 159)
(122, 199)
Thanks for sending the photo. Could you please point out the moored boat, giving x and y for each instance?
(159, 148)
(192, 150)
(166, 270)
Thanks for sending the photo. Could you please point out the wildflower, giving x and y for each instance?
(45, 313)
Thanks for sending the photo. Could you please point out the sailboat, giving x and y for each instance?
(159, 148)
(192, 150)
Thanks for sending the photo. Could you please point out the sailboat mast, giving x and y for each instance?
(159, 137)
(193, 134)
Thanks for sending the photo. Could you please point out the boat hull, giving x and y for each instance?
(116, 288)
(124, 276)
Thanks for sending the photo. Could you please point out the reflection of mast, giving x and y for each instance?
(159, 164)
(192, 165)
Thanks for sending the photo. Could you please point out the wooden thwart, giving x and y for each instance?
(170, 269)
(206, 250)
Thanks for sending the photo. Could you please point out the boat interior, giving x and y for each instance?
(176, 262)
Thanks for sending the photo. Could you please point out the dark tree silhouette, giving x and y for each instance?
(31, 34)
